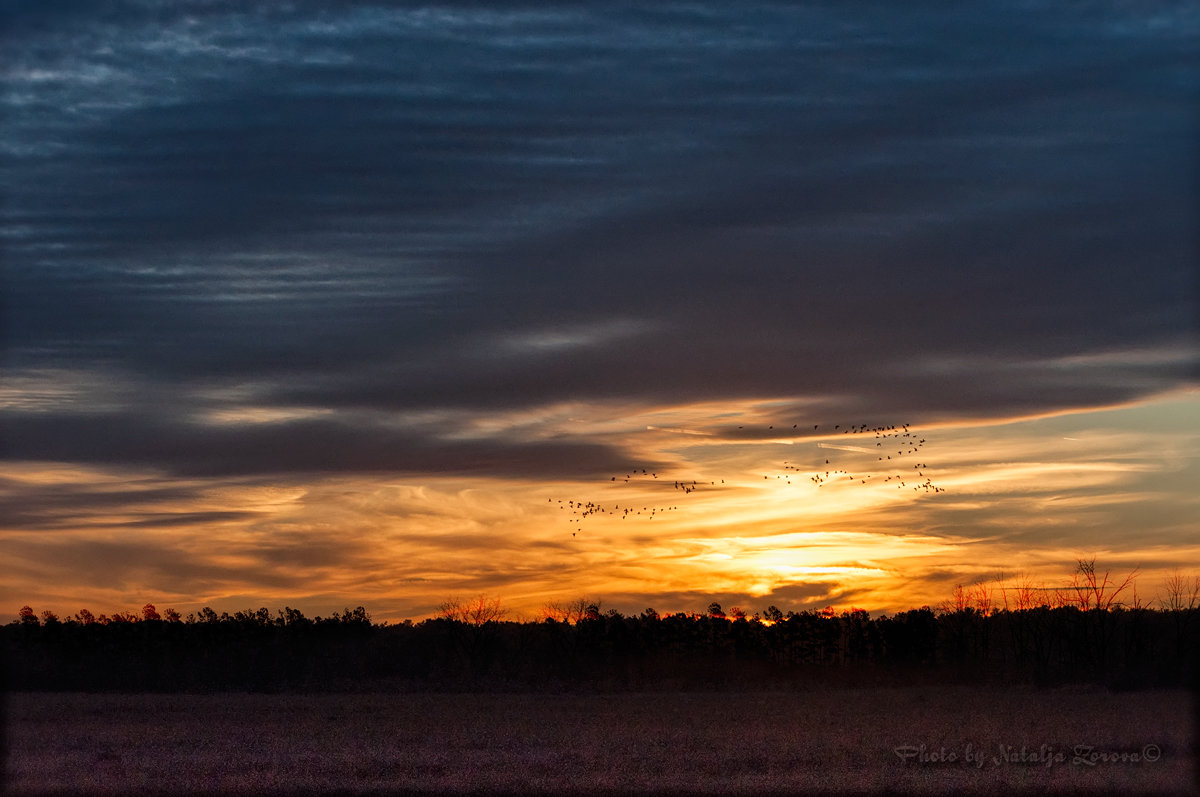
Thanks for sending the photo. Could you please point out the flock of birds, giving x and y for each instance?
(900, 439)
(886, 437)
(582, 509)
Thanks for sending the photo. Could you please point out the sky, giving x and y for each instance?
(326, 305)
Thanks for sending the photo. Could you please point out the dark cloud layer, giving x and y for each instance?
(302, 446)
(927, 209)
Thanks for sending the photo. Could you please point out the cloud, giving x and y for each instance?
(371, 186)
(180, 447)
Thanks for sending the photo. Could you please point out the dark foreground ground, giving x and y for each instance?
(900, 740)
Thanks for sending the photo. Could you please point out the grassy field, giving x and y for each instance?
(820, 741)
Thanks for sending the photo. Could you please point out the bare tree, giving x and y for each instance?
(1181, 591)
(479, 610)
(1182, 598)
(983, 596)
(572, 612)
(955, 604)
(1090, 590)
(1022, 594)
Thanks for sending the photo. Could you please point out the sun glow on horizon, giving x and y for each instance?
(719, 514)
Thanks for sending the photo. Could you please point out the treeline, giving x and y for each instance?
(286, 651)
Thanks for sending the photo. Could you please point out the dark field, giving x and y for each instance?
(823, 741)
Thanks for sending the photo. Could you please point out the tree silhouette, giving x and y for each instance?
(1181, 593)
(1090, 590)
(477, 611)
(469, 646)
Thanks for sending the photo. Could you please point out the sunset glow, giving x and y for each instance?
(1023, 495)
